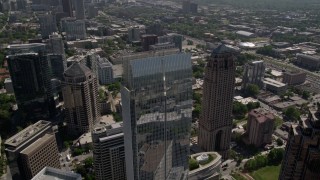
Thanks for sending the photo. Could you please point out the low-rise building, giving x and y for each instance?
(209, 166)
(294, 78)
(260, 127)
(49, 173)
(275, 86)
(245, 34)
(308, 62)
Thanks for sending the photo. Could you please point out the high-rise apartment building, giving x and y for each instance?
(157, 107)
(79, 8)
(67, 7)
(215, 122)
(108, 152)
(253, 74)
(80, 95)
(260, 127)
(30, 75)
(302, 155)
(31, 150)
(48, 24)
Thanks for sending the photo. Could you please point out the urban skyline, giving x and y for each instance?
(175, 90)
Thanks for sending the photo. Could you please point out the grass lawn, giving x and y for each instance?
(267, 173)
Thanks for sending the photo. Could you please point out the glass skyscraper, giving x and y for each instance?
(157, 108)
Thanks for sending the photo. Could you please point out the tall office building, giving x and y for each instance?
(253, 74)
(302, 156)
(31, 150)
(21, 5)
(30, 74)
(108, 152)
(260, 127)
(57, 65)
(55, 44)
(216, 117)
(67, 7)
(157, 107)
(189, 7)
(105, 71)
(47, 25)
(80, 95)
(75, 29)
(147, 40)
(79, 8)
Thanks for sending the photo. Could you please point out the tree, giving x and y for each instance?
(193, 164)
(239, 109)
(196, 111)
(253, 105)
(305, 95)
(252, 90)
(279, 142)
(275, 156)
(190, 42)
(292, 113)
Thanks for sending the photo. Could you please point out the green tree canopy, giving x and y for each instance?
(252, 90)
(292, 113)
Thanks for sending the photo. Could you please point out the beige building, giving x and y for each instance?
(294, 78)
(39, 155)
(80, 95)
(31, 150)
(216, 121)
(302, 156)
(260, 127)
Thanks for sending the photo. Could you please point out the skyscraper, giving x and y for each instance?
(253, 74)
(157, 108)
(75, 29)
(57, 65)
(302, 156)
(79, 8)
(108, 152)
(32, 149)
(80, 95)
(215, 122)
(30, 74)
(67, 7)
(47, 24)
(56, 45)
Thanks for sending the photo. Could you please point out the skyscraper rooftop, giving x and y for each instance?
(27, 133)
(77, 69)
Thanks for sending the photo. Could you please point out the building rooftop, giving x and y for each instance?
(35, 145)
(49, 173)
(27, 133)
(273, 82)
(261, 114)
(244, 33)
(222, 49)
(77, 69)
